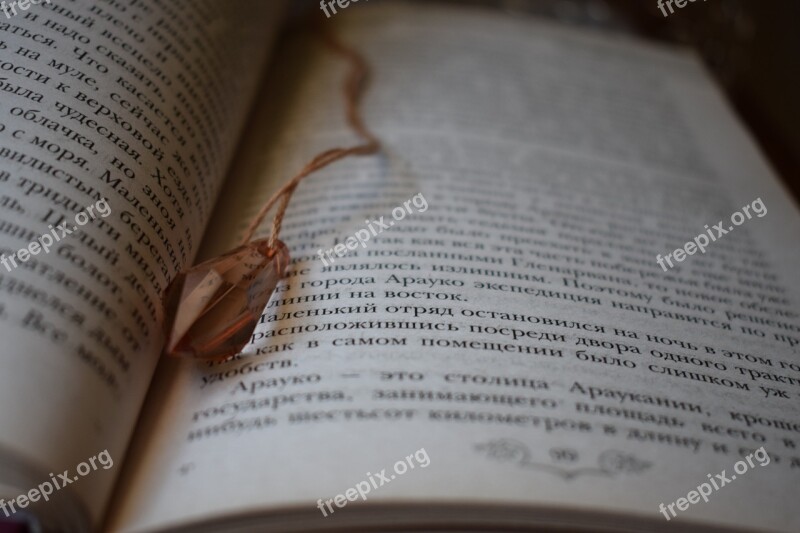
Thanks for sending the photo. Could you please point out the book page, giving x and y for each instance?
(505, 330)
(117, 124)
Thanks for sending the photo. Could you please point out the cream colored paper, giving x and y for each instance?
(546, 156)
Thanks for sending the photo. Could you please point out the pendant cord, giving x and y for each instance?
(352, 90)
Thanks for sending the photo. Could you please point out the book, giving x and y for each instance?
(576, 306)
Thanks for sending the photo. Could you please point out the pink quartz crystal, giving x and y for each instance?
(213, 308)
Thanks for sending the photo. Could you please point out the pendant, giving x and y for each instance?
(213, 308)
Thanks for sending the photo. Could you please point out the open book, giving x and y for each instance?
(507, 354)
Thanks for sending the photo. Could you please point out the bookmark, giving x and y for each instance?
(213, 308)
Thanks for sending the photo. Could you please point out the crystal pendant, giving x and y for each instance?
(213, 308)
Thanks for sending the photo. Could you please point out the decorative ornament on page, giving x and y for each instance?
(213, 308)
